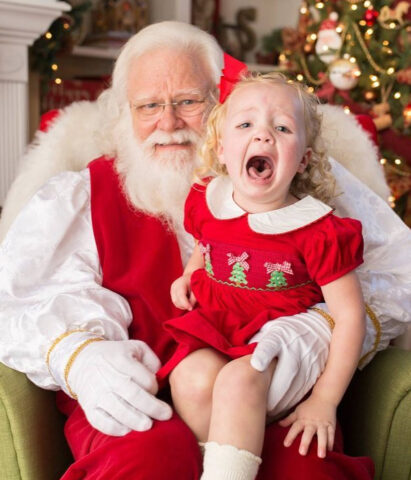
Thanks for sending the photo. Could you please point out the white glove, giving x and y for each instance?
(301, 344)
(116, 386)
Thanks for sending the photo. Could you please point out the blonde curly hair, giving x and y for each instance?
(317, 179)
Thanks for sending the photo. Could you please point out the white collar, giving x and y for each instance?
(219, 197)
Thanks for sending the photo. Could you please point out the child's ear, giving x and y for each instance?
(305, 160)
(220, 152)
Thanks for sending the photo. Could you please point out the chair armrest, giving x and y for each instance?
(375, 414)
(31, 430)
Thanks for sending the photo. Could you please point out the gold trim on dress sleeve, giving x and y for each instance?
(377, 340)
(327, 316)
(374, 320)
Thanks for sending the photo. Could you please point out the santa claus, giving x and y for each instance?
(88, 262)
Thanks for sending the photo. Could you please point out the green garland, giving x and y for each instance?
(57, 40)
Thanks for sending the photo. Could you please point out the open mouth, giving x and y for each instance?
(259, 167)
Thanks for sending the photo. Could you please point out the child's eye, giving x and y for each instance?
(283, 128)
(244, 125)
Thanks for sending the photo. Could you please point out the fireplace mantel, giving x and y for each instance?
(21, 22)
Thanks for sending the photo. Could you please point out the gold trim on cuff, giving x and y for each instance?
(377, 325)
(73, 356)
(58, 340)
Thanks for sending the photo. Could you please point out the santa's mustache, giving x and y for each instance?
(181, 137)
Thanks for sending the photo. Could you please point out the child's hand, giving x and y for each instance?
(314, 416)
(181, 294)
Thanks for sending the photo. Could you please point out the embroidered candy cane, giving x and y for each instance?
(279, 267)
(241, 260)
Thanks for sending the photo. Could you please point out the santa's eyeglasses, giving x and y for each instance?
(187, 106)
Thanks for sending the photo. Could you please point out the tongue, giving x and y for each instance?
(259, 168)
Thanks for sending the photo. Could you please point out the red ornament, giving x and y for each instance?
(370, 16)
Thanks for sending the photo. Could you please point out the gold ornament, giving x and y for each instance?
(393, 18)
(383, 122)
(382, 114)
(344, 74)
(380, 109)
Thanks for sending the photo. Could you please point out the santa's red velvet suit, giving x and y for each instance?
(139, 259)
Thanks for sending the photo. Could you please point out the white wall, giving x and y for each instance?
(170, 10)
(271, 14)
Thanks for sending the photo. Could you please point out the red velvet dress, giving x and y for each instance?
(139, 258)
(252, 277)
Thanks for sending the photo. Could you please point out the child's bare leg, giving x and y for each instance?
(237, 422)
(192, 383)
(239, 408)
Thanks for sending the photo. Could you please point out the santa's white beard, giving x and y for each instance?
(156, 183)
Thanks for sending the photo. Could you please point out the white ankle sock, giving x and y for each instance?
(225, 462)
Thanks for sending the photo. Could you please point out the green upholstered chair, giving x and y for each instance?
(32, 445)
(375, 415)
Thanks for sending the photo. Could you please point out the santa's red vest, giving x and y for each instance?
(139, 257)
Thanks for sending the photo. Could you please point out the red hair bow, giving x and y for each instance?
(232, 70)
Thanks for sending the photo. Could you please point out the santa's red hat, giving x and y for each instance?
(329, 23)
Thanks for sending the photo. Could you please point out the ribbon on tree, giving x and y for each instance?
(241, 260)
(231, 74)
(279, 267)
(204, 249)
(328, 92)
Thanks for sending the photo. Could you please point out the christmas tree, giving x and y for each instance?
(238, 275)
(357, 53)
(208, 266)
(277, 280)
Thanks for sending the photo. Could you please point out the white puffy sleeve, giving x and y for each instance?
(385, 275)
(50, 279)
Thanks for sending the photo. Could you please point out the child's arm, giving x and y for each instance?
(317, 414)
(181, 294)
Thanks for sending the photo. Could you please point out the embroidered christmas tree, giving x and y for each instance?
(277, 279)
(205, 250)
(238, 275)
(240, 266)
(276, 272)
(208, 266)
